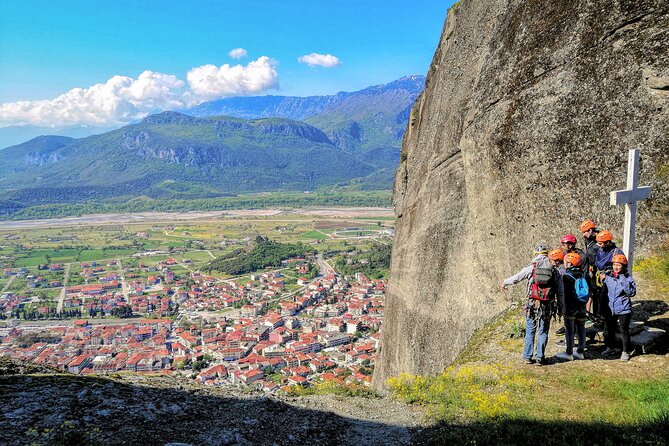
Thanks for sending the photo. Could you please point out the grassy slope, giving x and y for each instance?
(489, 395)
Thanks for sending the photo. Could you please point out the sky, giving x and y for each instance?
(102, 63)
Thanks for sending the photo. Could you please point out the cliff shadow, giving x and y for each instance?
(65, 409)
(73, 410)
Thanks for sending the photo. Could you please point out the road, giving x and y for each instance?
(61, 296)
(324, 265)
(124, 283)
(67, 323)
(8, 284)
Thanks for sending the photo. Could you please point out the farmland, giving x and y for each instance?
(37, 262)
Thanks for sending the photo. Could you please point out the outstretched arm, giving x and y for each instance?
(523, 274)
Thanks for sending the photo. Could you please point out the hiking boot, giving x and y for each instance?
(528, 361)
(578, 355)
(559, 331)
(625, 357)
(608, 351)
(566, 356)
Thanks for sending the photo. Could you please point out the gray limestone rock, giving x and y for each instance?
(523, 129)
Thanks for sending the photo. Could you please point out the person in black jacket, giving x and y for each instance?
(568, 243)
(572, 308)
(590, 246)
(590, 231)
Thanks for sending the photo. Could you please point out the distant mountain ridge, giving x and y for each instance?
(203, 156)
(247, 107)
(348, 139)
(368, 119)
(296, 107)
(17, 134)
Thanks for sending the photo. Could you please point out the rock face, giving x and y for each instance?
(523, 129)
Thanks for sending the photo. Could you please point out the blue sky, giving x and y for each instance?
(48, 48)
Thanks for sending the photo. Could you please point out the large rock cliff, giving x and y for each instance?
(523, 129)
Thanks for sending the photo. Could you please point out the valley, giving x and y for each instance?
(144, 293)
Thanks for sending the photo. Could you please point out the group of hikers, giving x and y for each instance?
(577, 284)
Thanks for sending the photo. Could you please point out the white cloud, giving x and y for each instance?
(211, 82)
(122, 99)
(237, 53)
(322, 60)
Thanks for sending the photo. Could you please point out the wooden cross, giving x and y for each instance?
(629, 197)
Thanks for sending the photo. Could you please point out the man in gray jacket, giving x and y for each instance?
(541, 279)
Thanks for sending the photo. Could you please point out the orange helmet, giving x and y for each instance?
(619, 258)
(573, 258)
(587, 224)
(556, 254)
(604, 236)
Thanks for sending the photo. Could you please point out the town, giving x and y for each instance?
(298, 324)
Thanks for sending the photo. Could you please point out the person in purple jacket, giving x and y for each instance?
(620, 288)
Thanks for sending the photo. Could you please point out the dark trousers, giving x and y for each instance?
(623, 320)
(600, 303)
(572, 325)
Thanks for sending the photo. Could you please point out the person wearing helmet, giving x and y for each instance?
(620, 288)
(568, 243)
(573, 308)
(603, 264)
(541, 279)
(556, 257)
(590, 231)
(607, 249)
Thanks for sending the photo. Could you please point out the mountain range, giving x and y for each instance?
(225, 147)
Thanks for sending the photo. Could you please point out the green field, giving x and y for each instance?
(314, 235)
(195, 256)
(91, 255)
(31, 261)
(186, 239)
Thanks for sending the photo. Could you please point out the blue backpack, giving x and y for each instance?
(581, 288)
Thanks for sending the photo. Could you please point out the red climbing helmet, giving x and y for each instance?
(569, 238)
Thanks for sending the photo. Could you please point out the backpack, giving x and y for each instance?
(581, 288)
(542, 280)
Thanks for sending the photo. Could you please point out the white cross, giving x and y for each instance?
(629, 197)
